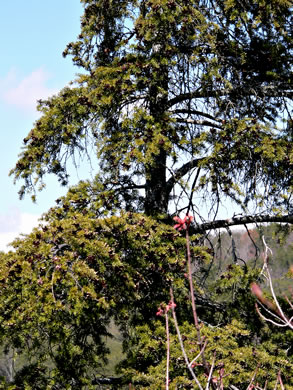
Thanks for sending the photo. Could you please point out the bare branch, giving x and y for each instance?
(195, 112)
(168, 350)
(182, 345)
(270, 307)
(197, 122)
(242, 220)
(210, 377)
(195, 95)
(182, 171)
(250, 386)
(199, 354)
(270, 90)
(280, 381)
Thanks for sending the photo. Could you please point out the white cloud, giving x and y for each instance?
(14, 224)
(24, 93)
(10, 221)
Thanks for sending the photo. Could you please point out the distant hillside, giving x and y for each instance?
(246, 247)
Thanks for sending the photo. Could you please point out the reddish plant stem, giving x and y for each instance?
(195, 318)
(193, 305)
(280, 381)
(189, 366)
(168, 350)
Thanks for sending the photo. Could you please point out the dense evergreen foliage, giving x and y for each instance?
(194, 93)
(187, 105)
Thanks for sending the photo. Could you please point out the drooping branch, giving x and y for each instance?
(180, 172)
(197, 122)
(270, 90)
(131, 187)
(195, 112)
(242, 220)
(198, 94)
(276, 313)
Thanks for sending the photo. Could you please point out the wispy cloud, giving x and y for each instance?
(13, 224)
(10, 221)
(25, 92)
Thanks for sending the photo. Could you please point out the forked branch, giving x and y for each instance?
(275, 313)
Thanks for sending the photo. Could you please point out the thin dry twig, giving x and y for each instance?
(210, 377)
(280, 381)
(168, 349)
(181, 343)
(272, 308)
(250, 386)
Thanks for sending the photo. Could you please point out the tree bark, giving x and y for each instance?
(156, 194)
(241, 220)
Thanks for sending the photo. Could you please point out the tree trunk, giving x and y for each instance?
(156, 196)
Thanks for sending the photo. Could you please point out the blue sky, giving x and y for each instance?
(33, 35)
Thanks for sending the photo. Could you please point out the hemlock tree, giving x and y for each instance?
(187, 105)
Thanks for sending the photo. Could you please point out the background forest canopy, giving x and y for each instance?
(187, 106)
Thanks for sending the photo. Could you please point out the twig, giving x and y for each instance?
(193, 305)
(211, 373)
(250, 386)
(181, 343)
(168, 349)
(274, 306)
(199, 354)
(280, 381)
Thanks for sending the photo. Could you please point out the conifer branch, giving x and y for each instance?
(242, 220)
(195, 112)
(197, 122)
(270, 90)
(182, 171)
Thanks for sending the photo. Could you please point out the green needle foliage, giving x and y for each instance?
(237, 358)
(193, 93)
(67, 280)
(186, 104)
